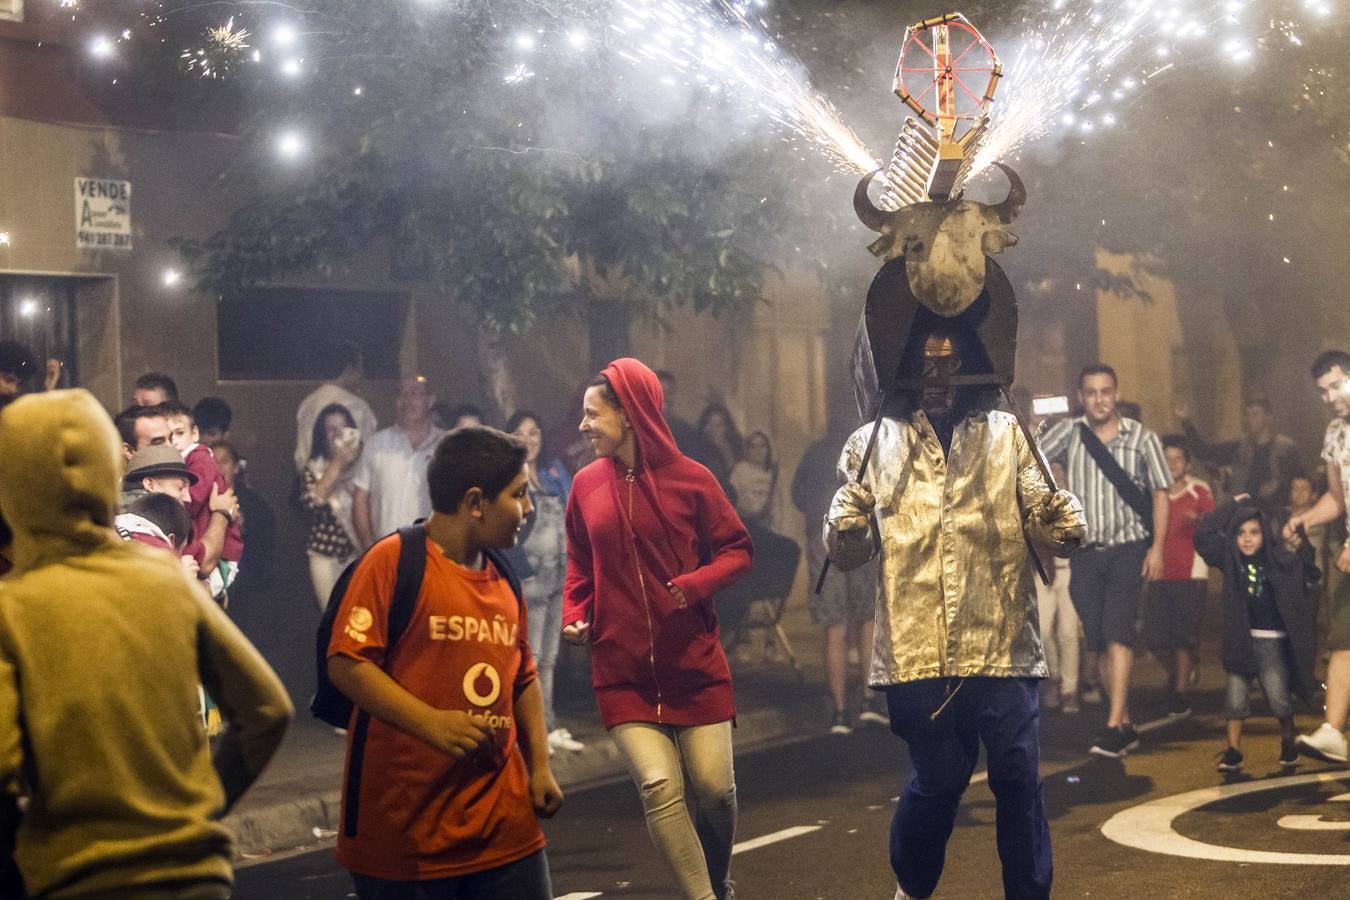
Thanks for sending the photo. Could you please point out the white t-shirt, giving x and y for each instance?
(312, 405)
(395, 474)
(1336, 452)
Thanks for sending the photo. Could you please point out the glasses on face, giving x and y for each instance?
(941, 365)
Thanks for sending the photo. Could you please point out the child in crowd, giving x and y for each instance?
(1268, 619)
(222, 566)
(157, 520)
(102, 645)
(1177, 600)
(448, 803)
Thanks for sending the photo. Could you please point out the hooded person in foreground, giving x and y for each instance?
(102, 645)
(651, 539)
(948, 499)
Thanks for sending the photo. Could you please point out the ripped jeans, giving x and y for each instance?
(697, 849)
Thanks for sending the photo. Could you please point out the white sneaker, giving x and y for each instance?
(901, 895)
(1326, 744)
(562, 739)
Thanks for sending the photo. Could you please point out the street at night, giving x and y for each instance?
(691, 449)
(815, 815)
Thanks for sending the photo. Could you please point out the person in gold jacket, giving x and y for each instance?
(102, 645)
(949, 498)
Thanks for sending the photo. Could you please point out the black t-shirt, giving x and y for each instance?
(1262, 614)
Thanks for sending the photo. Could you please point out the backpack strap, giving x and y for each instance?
(412, 564)
(503, 565)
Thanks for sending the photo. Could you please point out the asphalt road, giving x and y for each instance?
(815, 816)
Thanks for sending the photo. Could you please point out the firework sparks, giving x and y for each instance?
(716, 47)
(220, 55)
(1067, 67)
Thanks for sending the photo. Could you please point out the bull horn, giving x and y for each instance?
(1016, 199)
(867, 212)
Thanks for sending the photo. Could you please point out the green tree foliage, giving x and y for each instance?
(519, 184)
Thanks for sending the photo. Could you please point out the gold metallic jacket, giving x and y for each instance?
(956, 595)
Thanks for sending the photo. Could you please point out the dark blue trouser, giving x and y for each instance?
(1004, 713)
(524, 879)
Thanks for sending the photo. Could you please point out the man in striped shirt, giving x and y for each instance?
(1121, 549)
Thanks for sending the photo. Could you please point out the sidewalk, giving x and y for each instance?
(297, 801)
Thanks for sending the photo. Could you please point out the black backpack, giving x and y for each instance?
(334, 707)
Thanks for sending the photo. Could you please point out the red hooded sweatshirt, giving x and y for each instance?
(652, 661)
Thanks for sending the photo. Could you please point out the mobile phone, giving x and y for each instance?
(1050, 406)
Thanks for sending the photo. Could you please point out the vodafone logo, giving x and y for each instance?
(474, 683)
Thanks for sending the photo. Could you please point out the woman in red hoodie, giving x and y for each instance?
(650, 539)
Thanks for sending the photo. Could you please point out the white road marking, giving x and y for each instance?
(775, 837)
(1316, 823)
(581, 895)
(1149, 825)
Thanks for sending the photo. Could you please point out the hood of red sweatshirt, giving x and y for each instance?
(640, 395)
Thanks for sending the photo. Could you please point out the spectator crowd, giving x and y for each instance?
(1252, 525)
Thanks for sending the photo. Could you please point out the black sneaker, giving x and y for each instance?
(1288, 754)
(873, 711)
(839, 722)
(1131, 737)
(1178, 706)
(1230, 760)
(1116, 742)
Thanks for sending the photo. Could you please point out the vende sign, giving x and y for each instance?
(102, 214)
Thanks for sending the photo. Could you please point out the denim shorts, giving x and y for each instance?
(1272, 658)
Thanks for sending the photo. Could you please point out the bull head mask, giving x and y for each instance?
(943, 243)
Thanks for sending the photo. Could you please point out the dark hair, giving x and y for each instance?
(606, 390)
(166, 512)
(1328, 360)
(318, 438)
(151, 381)
(474, 456)
(229, 448)
(1179, 441)
(17, 360)
(520, 416)
(172, 409)
(767, 442)
(212, 412)
(126, 420)
(465, 409)
(1097, 369)
(733, 433)
(1258, 401)
(347, 355)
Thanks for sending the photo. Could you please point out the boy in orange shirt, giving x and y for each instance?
(448, 804)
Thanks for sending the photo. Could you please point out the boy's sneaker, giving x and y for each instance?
(839, 722)
(1114, 743)
(1230, 760)
(1326, 744)
(561, 739)
(1288, 754)
(1178, 706)
(873, 711)
(1092, 694)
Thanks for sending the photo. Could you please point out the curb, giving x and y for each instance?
(285, 816)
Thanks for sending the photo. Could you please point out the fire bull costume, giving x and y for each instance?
(949, 491)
